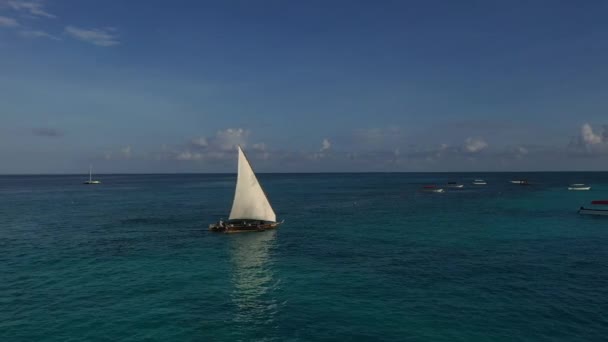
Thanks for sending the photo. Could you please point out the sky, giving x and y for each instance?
(304, 86)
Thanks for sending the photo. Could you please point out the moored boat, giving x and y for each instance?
(479, 182)
(431, 188)
(91, 181)
(455, 185)
(251, 210)
(595, 210)
(579, 187)
(519, 181)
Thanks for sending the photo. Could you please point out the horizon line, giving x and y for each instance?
(320, 172)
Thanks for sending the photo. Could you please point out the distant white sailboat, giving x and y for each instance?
(91, 181)
(251, 210)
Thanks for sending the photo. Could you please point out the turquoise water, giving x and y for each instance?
(361, 257)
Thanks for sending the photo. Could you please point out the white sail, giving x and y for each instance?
(250, 202)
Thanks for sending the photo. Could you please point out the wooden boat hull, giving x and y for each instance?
(588, 211)
(239, 228)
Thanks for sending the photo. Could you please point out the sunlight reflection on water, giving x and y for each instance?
(253, 278)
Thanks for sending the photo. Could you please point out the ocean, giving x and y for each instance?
(360, 257)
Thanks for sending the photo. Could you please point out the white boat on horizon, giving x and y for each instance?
(91, 181)
(579, 187)
(479, 182)
(431, 188)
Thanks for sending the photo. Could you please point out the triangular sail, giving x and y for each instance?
(250, 202)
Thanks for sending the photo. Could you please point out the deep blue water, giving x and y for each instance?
(361, 257)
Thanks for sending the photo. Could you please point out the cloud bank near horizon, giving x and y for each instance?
(216, 152)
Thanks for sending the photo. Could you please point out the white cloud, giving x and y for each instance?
(221, 146)
(474, 145)
(37, 34)
(8, 22)
(230, 138)
(100, 37)
(34, 8)
(224, 140)
(588, 137)
(591, 142)
(200, 142)
(325, 145)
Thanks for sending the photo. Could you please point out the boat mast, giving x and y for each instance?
(90, 172)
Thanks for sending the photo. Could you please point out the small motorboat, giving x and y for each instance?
(595, 211)
(479, 182)
(579, 187)
(455, 185)
(431, 188)
(520, 182)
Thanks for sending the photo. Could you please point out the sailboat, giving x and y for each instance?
(91, 181)
(251, 210)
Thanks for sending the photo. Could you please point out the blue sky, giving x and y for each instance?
(173, 86)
